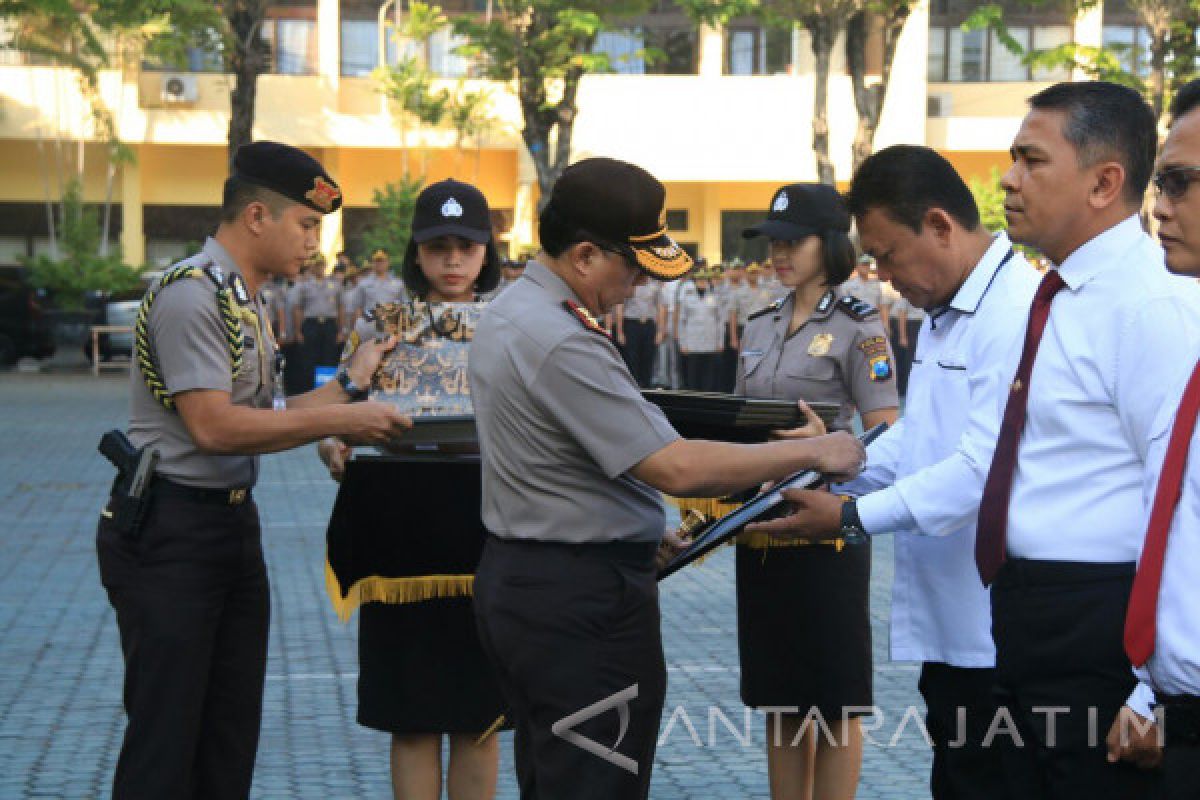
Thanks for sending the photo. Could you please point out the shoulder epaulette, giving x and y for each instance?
(771, 309)
(585, 316)
(858, 309)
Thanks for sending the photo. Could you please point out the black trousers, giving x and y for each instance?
(729, 361)
(639, 349)
(193, 608)
(702, 372)
(1181, 755)
(320, 347)
(961, 705)
(567, 627)
(1058, 627)
(904, 355)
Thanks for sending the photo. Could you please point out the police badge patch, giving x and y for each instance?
(879, 362)
(820, 344)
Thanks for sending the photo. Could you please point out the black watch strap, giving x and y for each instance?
(352, 389)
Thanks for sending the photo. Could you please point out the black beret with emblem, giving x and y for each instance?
(289, 171)
(623, 206)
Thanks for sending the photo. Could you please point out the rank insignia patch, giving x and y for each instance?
(239, 289)
(323, 194)
(585, 316)
(820, 344)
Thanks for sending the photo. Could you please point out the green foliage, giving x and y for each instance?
(394, 204)
(80, 268)
(990, 199)
(718, 12)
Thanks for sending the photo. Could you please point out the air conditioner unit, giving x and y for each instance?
(179, 89)
(938, 105)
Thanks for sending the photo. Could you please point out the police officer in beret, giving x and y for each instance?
(187, 578)
(813, 344)
(573, 460)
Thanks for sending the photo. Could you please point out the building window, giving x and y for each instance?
(293, 45)
(956, 55)
(360, 50)
(677, 219)
(1131, 44)
(733, 245)
(625, 50)
(754, 50)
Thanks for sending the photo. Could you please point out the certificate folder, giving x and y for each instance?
(731, 418)
(764, 505)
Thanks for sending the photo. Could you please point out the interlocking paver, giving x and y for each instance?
(60, 665)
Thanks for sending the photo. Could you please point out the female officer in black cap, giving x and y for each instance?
(422, 672)
(804, 634)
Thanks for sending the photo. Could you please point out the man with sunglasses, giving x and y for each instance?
(1162, 636)
(1062, 516)
(573, 459)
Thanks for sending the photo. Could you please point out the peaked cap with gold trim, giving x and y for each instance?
(289, 171)
(615, 203)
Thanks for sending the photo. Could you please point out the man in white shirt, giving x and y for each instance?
(924, 477)
(1162, 627)
(1063, 515)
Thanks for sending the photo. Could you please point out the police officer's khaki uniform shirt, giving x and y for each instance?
(701, 321)
(561, 422)
(187, 337)
(746, 299)
(373, 290)
(318, 298)
(643, 306)
(274, 300)
(834, 357)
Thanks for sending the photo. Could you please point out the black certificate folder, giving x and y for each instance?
(764, 505)
(731, 418)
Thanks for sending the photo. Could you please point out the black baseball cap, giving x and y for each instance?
(451, 208)
(800, 210)
(622, 206)
(289, 171)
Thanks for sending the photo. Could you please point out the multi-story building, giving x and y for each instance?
(722, 118)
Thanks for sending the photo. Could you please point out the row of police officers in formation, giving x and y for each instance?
(1045, 513)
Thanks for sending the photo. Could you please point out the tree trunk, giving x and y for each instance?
(868, 101)
(247, 61)
(823, 31)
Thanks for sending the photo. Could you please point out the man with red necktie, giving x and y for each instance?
(1062, 517)
(1162, 627)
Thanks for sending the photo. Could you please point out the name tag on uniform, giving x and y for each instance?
(751, 353)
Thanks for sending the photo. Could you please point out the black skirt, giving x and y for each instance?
(422, 669)
(804, 628)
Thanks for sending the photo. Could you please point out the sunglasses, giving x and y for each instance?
(1174, 182)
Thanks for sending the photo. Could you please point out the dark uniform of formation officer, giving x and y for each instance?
(183, 564)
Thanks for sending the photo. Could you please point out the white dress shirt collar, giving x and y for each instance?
(1100, 252)
(970, 294)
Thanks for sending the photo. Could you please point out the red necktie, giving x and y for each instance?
(990, 545)
(1143, 600)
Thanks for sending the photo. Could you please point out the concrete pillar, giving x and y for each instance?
(710, 229)
(329, 42)
(711, 51)
(332, 241)
(1089, 32)
(133, 236)
(523, 236)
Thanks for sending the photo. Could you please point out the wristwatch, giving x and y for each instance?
(852, 528)
(352, 389)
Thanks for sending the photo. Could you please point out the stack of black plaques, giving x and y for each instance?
(730, 418)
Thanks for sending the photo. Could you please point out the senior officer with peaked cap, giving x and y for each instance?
(566, 598)
(188, 583)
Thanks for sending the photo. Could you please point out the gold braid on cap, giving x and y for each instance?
(648, 237)
(231, 319)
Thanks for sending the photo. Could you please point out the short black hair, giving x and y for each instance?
(905, 181)
(239, 193)
(416, 282)
(1106, 121)
(838, 257)
(1186, 99)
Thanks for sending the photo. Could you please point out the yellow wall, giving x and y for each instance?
(28, 168)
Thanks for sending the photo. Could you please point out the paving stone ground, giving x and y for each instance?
(60, 666)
